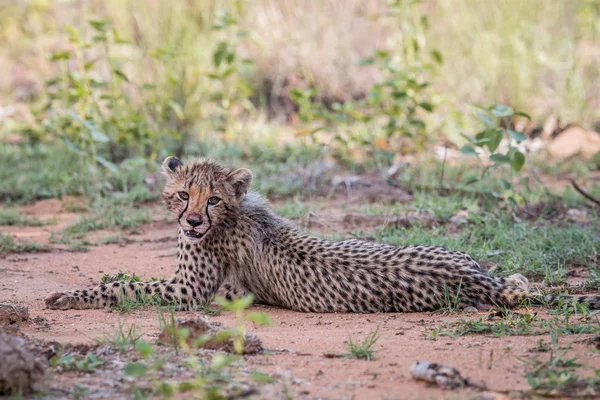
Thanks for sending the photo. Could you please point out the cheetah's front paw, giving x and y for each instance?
(61, 301)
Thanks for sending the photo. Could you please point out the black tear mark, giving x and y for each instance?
(184, 210)
(208, 216)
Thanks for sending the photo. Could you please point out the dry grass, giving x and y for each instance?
(536, 55)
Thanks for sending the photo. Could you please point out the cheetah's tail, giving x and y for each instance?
(517, 290)
(592, 301)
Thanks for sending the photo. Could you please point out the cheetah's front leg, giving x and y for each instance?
(182, 292)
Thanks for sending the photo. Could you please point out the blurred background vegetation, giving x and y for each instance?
(96, 92)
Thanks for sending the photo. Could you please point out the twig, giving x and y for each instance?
(584, 194)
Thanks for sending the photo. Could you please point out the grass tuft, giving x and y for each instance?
(363, 350)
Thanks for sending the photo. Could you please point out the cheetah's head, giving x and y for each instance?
(203, 195)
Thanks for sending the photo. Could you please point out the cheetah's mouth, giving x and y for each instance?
(193, 234)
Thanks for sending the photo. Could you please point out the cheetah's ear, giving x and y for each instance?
(240, 179)
(171, 164)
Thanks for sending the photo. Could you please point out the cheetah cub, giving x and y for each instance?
(230, 239)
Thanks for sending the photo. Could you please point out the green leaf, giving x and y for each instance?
(105, 163)
(495, 137)
(499, 158)
(220, 53)
(427, 106)
(167, 390)
(522, 114)
(221, 360)
(88, 65)
(135, 369)
(517, 162)
(260, 318)
(500, 110)
(505, 184)
(471, 180)
(517, 136)
(261, 377)
(437, 56)
(121, 74)
(176, 109)
(99, 25)
(144, 348)
(483, 117)
(243, 302)
(366, 61)
(71, 146)
(382, 54)
(488, 170)
(60, 55)
(98, 136)
(468, 150)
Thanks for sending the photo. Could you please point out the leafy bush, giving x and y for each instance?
(498, 126)
(394, 106)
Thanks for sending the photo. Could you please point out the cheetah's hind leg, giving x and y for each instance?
(518, 281)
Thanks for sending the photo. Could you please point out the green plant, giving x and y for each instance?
(238, 307)
(112, 212)
(209, 379)
(8, 244)
(593, 280)
(228, 77)
(363, 350)
(91, 111)
(125, 338)
(69, 362)
(12, 217)
(558, 375)
(396, 104)
(498, 121)
(451, 301)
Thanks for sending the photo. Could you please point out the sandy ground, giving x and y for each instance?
(298, 342)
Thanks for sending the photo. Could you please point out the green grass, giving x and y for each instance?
(76, 362)
(13, 217)
(8, 244)
(567, 318)
(560, 374)
(363, 350)
(293, 209)
(125, 338)
(539, 250)
(107, 213)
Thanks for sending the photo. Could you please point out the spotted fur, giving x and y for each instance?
(230, 240)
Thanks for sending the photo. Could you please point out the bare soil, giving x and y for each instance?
(303, 348)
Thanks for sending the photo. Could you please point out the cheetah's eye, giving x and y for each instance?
(213, 200)
(183, 195)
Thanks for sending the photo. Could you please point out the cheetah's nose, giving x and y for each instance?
(194, 221)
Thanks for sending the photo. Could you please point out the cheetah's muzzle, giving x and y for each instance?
(193, 234)
(245, 246)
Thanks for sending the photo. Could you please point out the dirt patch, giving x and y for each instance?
(296, 346)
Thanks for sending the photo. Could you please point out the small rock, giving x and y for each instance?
(576, 215)
(575, 140)
(460, 218)
(20, 370)
(470, 310)
(440, 375)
